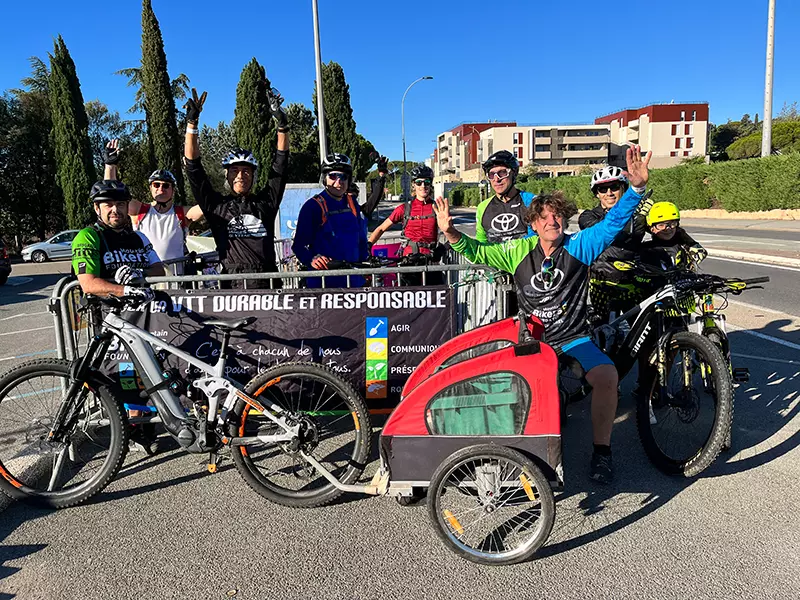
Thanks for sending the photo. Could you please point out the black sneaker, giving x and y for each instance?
(601, 469)
(144, 437)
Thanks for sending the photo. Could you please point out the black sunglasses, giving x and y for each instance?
(614, 187)
(423, 181)
(161, 185)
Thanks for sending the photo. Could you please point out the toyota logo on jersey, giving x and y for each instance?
(505, 222)
(543, 284)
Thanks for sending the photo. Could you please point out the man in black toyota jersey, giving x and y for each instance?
(243, 224)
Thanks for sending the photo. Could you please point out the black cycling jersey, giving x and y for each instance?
(243, 227)
(625, 247)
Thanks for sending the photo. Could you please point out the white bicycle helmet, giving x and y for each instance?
(608, 175)
(239, 156)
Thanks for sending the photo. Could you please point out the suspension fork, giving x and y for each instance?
(77, 389)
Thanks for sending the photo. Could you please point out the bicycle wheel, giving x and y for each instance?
(684, 430)
(335, 429)
(77, 463)
(491, 505)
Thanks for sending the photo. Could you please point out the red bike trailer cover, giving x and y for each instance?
(507, 329)
(539, 370)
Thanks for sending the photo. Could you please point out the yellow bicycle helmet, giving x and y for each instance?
(662, 211)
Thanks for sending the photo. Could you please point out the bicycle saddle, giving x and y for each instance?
(230, 325)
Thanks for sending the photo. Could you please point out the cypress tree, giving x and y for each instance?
(75, 168)
(341, 126)
(303, 144)
(159, 102)
(254, 127)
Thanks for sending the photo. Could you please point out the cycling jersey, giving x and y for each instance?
(497, 221)
(419, 227)
(166, 231)
(333, 228)
(625, 246)
(100, 250)
(557, 296)
(243, 226)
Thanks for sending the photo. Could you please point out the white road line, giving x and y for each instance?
(44, 312)
(766, 359)
(15, 281)
(747, 262)
(758, 308)
(763, 336)
(27, 330)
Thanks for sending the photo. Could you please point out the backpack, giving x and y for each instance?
(324, 206)
(180, 214)
(415, 246)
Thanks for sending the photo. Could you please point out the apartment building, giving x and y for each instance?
(457, 156)
(673, 132)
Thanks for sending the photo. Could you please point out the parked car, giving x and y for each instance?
(5, 263)
(58, 246)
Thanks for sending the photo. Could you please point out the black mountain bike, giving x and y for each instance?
(684, 415)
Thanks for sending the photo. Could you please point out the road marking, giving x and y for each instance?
(44, 312)
(763, 336)
(27, 330)
(766, 359)
(27, 355)
(748, 262)
(758, 308)
(14, 281)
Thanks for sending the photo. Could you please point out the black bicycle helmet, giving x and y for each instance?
(109, 189)
(421, 172)
(337, 162)
(162, 175)
(503, 158)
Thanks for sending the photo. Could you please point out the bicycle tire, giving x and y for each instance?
(22, 473)
(525, 473)
(317, 491)
(707, 452)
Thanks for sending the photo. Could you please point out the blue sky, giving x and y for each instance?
(531, 61)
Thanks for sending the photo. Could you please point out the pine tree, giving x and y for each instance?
(75, 171)
(159, 103)
(254, 127)
(341, 126)
(303, 144)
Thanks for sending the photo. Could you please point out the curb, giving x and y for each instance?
(755, 258)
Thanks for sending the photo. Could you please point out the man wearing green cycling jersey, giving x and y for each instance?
(107, 256)
(551, 271)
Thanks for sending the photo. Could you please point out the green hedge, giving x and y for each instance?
(785, 137)
(464, 196)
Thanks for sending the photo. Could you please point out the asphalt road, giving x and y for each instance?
(166, 529)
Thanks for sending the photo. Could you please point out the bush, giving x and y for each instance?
(758, 183)
(785, 137)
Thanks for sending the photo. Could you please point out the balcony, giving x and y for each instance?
(583, 153)
(588, 139)
(542, 155)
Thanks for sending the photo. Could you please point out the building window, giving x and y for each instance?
(686, 153)
(683, 115)
(542, 134)
(673, 153)
(677, 142)
(674, 130)
(518, 138)
(518, 152)
(687, 129)
(690, 142)
(694, 115)
(542, 148)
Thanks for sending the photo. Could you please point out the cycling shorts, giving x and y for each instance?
(586, 352)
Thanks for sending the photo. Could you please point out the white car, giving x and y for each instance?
(58, 246)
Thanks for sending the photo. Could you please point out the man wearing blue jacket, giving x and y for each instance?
(551, 270)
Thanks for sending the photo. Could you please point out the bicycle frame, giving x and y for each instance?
(140, 345)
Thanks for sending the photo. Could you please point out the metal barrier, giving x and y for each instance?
(479, 295)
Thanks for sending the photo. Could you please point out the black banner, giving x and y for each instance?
(374, 338)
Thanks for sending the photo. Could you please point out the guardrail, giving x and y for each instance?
(480, 295)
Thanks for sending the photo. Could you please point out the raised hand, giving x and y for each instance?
(443, 218)
(111, 152)
(383, 165)
(638, 172)
(276, 110)
(194, 106)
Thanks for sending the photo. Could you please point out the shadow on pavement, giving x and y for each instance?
(13, 517)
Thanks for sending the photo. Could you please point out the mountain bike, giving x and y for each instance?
(684, 415)
(298, 434)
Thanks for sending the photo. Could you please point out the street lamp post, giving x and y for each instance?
(766, 127)
(323, 134)
(403, 126)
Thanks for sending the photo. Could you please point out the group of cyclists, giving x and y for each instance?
(555, 273)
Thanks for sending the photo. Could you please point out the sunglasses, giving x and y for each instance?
(423, 181)
(499, 175)
(547, 271)
(665, 225)
(610, 187)
(161, 185)
(337, 176)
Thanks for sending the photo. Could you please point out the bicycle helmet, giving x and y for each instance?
(421, 172)
(162, 175)
(663, 211)
(608, 175)
(503, 158)
(337, 162)
(239, 156)
(109, 189)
